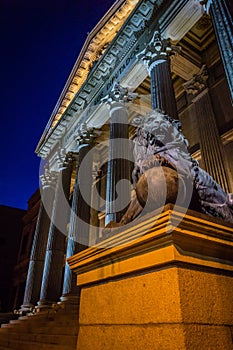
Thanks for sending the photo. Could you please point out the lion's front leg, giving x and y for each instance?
(132, 212)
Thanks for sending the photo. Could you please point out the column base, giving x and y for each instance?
(69, 303)
(69, 299)
(43, 305)
(26, 309)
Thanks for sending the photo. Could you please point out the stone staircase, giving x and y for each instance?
(5, 317)
(47, 330)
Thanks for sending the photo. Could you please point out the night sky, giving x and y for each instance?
(40, 41)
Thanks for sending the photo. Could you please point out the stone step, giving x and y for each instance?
(10, 335)
(51, 339)
(30, 324)
(56, 329)
(25, 345)
(4, 341)
(4, 330)
(49, 317)
(7, 325)
(55, 338)
(42, 331)
(14, 321)
(6, 317)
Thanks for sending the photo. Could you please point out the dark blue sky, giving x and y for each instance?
(40, 41)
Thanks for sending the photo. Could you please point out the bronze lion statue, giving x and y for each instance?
(164, 169)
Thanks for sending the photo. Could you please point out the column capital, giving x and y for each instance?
(48, 179)
(198, 83)
(119, 94)
(69, 159)
(61, 154)
(64, 159)
(86, 135)
(157, 51)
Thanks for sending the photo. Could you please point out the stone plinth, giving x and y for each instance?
(161, 283)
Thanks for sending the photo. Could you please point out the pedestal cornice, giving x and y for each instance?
(170, 238)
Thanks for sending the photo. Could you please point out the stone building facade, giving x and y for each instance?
(21, 267)
(175, 56)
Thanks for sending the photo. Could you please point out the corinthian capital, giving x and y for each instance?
(48, 179)
(69, 159)
(119, 94)
(198, 83)
(157, 51)
(87, 135)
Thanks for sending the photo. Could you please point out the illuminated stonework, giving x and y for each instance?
(162, 258)
(94, 48)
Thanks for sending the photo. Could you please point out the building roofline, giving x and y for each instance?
(93, 35)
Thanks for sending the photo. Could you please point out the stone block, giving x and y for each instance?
(164, 283)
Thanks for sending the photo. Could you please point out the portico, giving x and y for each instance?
(154, 51)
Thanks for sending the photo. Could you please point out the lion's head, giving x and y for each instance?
(161, 130)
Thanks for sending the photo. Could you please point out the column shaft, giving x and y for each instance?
(54, 260)
(157, 58)
(78, 236)
(36, 264)
(212, 151)
(210, 143)
(222, 18)
(162, 91)
(118, 164)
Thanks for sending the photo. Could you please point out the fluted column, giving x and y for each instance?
(54, 260)
(117, 197)
(221, 12)
(213, 156)
(36, 264)
(157, 57)
(78, 235)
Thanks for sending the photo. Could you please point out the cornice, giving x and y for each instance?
(94, 46)
(114, 54)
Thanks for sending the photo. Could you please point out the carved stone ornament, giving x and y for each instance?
(87, 135)
(157, 51)
(119, 94)
(69, 159)
(99, 54)
(198, 83)
(60, 157)
(48, 179)
(64, 159)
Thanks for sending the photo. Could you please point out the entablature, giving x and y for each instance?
(117, 63)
